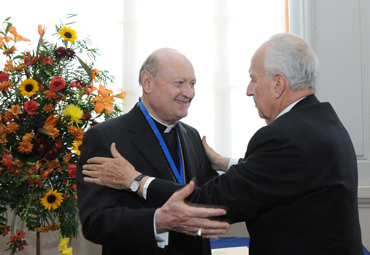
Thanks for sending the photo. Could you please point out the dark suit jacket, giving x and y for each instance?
(296, 187)
(119, 220)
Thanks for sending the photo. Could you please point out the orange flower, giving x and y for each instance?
(103, 102)
(53, 132)
(51, 121)
(67, 158)
(9, 50)
(27, 61)
(3, 138)
(41, 31)
(49, 127)
(104, 92)
(17, 37)
(6, 85)
(122, 95)
(50, 95)
(93, 72)
(25, 147)
(4, 39)
(77, 133)
(8, 116)
(8, 65)
(15, 110)
(28, 137)
(12, 128)
(48, 108)
(52, 164)
(19, 67)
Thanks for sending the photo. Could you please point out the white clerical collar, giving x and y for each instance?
(289, 108)
(168, 127)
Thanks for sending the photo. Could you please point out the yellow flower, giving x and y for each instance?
(74, 112)
(67, 251)
(63, 244)
(68, 34)
(52, 199)
(76, 147)
(29, 87)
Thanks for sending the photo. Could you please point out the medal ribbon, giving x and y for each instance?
(179, 175)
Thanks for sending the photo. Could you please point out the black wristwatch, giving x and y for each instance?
(135, 184)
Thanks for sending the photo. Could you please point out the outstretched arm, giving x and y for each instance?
(174, 215)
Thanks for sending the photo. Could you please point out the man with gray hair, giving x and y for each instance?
(296, 187)
(153, 138)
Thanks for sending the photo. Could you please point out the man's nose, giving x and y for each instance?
(189, 91)
(250, 89)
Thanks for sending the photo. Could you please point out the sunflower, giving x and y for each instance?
(74, 112)
(52, 199)
(76, 147)
(68, 34)
(29, 87)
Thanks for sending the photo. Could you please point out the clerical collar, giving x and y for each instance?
(168, 127)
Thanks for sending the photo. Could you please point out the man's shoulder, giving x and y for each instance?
(185, 128)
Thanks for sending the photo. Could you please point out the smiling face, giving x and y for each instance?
(261, 87)
(168, 95)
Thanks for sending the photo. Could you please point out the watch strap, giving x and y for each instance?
(139, 177)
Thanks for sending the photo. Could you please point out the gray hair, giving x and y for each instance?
(294, 58)
(151, 65)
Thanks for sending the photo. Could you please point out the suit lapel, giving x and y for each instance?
(147, 144)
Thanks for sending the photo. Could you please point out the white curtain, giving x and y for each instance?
(218, 36)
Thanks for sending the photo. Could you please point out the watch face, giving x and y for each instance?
(134, 186)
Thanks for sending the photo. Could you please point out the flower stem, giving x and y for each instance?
(12, 229)
(25, 214)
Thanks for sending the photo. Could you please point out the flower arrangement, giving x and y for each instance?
(47, 102)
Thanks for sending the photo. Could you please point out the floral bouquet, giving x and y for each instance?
(48, 100)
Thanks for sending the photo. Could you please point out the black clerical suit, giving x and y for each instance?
(119, 220)
(296, 187)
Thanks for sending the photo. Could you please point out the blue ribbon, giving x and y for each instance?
(179, 175)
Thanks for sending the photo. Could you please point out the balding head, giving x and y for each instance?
(167, 79)
(157, 59)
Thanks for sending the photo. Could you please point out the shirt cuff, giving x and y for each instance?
(146, 186)
(162, 239)
(233, 161)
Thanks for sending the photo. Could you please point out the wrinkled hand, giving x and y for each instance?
(114, 172)
(178, 216)
(218, 162)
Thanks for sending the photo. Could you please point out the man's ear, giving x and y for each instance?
(281, 84)
(146, 79)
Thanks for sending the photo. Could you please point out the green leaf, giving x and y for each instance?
(5, 178)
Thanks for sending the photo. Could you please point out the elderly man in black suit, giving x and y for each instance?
(152, 138)
(296, 187)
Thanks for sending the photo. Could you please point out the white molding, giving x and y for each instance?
(301, 19)
(364, 196)
(365, 78)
